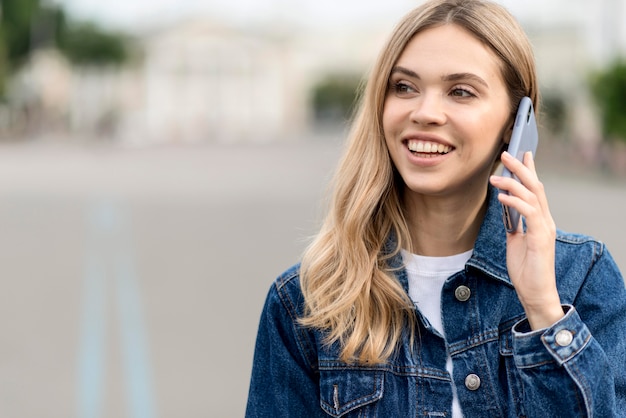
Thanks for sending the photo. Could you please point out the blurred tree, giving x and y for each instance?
(334, 97)
(87, 44)
(17, 22)
(554, 111)
(4, 62)
(26, 25)
(609, 89)
(15, 27)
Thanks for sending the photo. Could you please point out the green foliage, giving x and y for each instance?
(26, 25)
(554, 112)
(334, 97)
(16, 25)
(4, 62)
(86, 44)
(609, 90)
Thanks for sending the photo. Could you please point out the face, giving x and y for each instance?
(446, 112)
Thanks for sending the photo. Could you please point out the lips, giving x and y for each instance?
(427, 147)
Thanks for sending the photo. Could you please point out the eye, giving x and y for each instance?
(462, 92)
(402, 88)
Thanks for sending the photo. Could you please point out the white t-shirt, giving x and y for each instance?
(426, 278)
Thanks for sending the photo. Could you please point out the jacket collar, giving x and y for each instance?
(489, 255)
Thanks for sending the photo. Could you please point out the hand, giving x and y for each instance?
(530, 255)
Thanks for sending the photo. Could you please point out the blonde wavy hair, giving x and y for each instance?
(349, 288)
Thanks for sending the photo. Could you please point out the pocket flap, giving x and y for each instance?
(506, 343)
(344, 390)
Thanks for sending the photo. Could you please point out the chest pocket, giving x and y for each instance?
(343, 391)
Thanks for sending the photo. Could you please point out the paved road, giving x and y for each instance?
(132, 279)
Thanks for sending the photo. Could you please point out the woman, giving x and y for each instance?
(413, 300)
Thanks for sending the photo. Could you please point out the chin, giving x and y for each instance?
(426, 189)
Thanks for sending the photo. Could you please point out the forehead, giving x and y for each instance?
(450, 48)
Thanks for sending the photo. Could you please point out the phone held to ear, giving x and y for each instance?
(523, 139)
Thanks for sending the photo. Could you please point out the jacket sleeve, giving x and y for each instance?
(284, 380)
(576, 368)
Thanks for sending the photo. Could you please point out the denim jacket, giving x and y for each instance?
(575, 368)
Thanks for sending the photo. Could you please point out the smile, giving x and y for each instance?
(427, 147)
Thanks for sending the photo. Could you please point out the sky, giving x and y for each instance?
(131, 14)
(601, 21)
(135, 15)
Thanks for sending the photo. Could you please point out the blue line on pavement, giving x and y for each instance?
(91, 355)
(109, 253)
(135, 352)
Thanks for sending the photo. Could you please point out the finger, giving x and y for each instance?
(527, 175)
(519, 198)
(537, 217)
(537, 186)
(513, 187)
(525, 171)
(524, 207)
(529, 161)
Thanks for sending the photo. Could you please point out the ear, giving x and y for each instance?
(508, 132)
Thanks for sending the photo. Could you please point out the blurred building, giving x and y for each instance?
(571, 40)
(39, 95)
(196, 81)
(601, 25)
(202, 81)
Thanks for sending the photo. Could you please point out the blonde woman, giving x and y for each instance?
(413, 300)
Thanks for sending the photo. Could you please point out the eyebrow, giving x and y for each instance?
(447, 77)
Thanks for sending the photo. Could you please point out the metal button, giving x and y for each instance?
(564, 338)
(462, 293)
(472, 382)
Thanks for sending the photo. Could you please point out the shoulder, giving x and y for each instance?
(280, 333)
(578, 246)
(289, 280)
(286, 293)
(582, 261)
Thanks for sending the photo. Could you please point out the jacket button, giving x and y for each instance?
(564, 338)
(472, 382)
(462, 293)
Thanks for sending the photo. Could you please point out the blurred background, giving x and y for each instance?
(161, 161)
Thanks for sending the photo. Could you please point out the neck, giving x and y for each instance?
(443, 226)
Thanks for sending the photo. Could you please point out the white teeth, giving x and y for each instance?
(415, 146)
(428, 147)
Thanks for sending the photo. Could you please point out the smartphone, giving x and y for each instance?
(523, 139)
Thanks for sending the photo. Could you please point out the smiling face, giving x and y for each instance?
(446, 112)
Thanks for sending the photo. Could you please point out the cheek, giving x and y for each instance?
(390, 130)
(387, 132)
(501, 125)
(386, 119)
(494, 137)
(490, 127)
(391, 115)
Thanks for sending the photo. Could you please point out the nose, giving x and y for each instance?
(429, 110)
